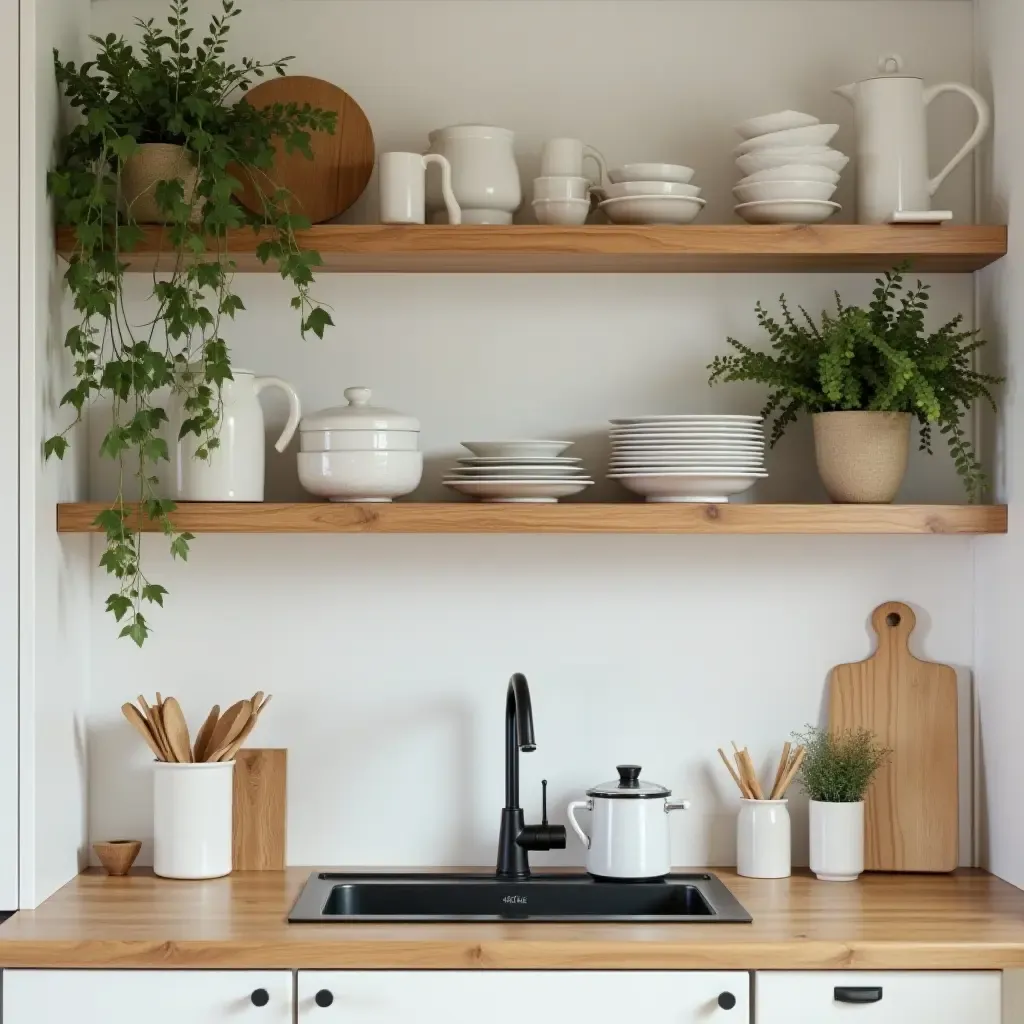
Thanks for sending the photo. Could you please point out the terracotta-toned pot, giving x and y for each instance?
(151, 163)
(862, 456)
(117, 855)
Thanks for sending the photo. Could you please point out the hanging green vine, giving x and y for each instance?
(167, 92)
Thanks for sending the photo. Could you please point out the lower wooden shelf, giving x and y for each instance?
(569, 517)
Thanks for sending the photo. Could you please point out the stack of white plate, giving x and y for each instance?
(534, 471)
(687, 458)
(790, 171)
(650, 194)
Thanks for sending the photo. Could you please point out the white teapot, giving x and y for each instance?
(892, 140)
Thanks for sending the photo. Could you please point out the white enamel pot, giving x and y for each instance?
(629, 833)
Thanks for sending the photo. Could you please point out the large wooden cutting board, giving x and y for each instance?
(258, 809)
(912, 812)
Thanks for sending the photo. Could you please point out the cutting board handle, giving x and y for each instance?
(893, 622)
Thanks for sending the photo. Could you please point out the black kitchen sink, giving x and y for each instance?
(329, 896)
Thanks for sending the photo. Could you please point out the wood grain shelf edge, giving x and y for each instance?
(569, 517)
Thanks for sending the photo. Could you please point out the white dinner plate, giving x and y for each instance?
(684, 418)
(683, 434)
(551, 460)
(517, 449)
(519, 490)
(525, 472)
(681, 448)
(618, 465)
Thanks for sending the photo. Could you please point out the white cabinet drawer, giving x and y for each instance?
(852, 997)
(510, 997)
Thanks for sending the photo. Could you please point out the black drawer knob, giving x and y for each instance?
(260, 997)
(727, 1001)
(324, 998)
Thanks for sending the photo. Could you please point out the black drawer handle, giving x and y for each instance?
(324, 998)
(726, 1001)
(858, 994)
(260, 997)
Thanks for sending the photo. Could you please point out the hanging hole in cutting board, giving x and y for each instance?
(893, 619)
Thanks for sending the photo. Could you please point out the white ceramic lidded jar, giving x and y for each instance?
(359, 451)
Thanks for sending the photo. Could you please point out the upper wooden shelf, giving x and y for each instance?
(568, 517)
(714, 248)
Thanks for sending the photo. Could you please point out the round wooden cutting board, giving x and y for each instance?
(334, 179)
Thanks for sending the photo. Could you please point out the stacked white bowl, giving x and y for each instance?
(790, 171)
(522, 471)
(650, 194)
(687, 457)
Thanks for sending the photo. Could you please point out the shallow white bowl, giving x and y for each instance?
(524, 490)
(651, 172)
(517, 449)
(787, 211)
(561, 211)
(812, 135)
(763, 191)
(766, 159)
(360, 476)
(530, 472)
(652, 209)
(687, 486)
(777, 122)
(793, 172)
(647, 188)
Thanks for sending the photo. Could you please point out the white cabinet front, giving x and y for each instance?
(878, 997)
(511, 997)
(147, 997)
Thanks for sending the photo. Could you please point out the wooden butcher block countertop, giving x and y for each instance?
(965, 920)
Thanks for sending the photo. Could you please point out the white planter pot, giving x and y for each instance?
(192, 819)
(763, 839)
(837, 841)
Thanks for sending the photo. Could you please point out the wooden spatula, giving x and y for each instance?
(177, 731)
(228, 728)
(156, 727)
(205, 732)
(132, 713)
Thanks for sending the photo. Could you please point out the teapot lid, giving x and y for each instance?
(629, 785)
(359, 415)
(890, 65)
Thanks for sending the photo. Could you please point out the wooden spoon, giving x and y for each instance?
(177, 731)
(244, 734)
(157, 728)
(230, 725)
(132, 713)
(204, 734)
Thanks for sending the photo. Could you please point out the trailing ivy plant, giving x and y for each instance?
(167, 90)
(878, 359)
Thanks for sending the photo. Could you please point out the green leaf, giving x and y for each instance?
(119, 606)
(154, 592)
(123, 147)
(317, 321)
(179, 546)
(57, 445)
(137, 629)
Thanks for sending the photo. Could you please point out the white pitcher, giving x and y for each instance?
(485, 177)
(892, 140)
(235, 469)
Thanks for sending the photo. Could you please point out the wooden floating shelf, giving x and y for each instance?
(651, 249)
(568, 517)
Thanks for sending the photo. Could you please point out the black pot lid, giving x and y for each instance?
(629, 785)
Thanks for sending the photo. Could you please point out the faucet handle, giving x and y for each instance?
(543, 801)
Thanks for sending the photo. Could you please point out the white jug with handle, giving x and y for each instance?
(892, 140)
(235, 468)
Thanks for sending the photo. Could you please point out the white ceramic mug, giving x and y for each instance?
(763, 839)
(837, 841)
(561, 187)
(402, 183)
(192, 819)
(564, 158)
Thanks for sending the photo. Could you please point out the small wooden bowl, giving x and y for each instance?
(118, 855)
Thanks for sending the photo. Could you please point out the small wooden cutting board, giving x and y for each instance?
(259, 809)
(912, 809)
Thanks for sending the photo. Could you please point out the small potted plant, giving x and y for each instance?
(837, 771)
(863, 374)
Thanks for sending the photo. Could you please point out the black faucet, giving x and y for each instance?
(516, 838)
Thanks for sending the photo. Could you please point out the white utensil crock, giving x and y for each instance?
(837, 841)
(630, 834)
(192, 819)
(892, 140)
(402, 182)
(763, 839)
(485, 178)
(235, 469)
(564, 158)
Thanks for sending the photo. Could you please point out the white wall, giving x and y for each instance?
(55, 579)
(999, 579)
(388, 656)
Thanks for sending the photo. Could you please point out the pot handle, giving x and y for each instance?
(294, 408)
(982, 126)
(579, 805)
(677, 805)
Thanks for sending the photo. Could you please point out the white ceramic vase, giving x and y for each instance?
(192, 819)
(235, 469)
(763, 839)
(837, 841)
(485, 178)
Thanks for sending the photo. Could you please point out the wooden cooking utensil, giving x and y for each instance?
(177, 731)
(156, 727)
(780, 772)
(794, 767)
(228, 729)
(204, 734)
(258, 806)
(132, 713)
(327, 185)
(911, 815)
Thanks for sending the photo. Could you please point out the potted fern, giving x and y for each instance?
(864, 375)
(164, 134)
(837, 770)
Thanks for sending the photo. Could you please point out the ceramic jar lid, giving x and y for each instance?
(629, 785)
(359, 415)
